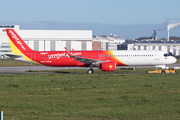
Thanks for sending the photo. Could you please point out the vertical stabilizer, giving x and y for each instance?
(18, 46)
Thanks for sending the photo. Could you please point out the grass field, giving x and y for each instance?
(66, 95)
(90, 97)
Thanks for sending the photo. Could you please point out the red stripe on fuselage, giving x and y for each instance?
(61, 58)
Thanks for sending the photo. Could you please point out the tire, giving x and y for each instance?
(90, 71)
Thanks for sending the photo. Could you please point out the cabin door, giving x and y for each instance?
(156, 55)
(71, 59)
(33, 56)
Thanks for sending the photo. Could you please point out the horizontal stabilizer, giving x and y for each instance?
(11, 56)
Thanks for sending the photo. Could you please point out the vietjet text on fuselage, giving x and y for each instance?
(105, 60)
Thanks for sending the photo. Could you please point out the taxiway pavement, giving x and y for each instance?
(25, 69)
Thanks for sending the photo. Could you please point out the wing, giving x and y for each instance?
(85, 60)
(11, 56)
(89, 61)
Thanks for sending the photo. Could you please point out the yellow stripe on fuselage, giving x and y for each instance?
(110, 52)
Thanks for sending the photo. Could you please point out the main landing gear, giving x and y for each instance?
(91, 71)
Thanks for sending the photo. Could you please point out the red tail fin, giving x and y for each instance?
(16, 43)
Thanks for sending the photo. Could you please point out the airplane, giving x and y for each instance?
(106, 60)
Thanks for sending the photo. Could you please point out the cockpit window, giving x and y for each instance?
(168, 54)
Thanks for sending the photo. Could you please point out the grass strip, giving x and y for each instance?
(90, 97)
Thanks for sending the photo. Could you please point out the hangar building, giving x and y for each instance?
(172, 46)
(49, 40)
(105, 42)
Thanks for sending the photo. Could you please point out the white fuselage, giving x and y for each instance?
(144, 57)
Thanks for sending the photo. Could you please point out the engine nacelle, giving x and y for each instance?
(108, 66)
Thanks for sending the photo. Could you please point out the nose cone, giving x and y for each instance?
(170, 60)
(174, 59)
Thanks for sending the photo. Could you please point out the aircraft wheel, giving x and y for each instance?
(90, 71)
(163, 71)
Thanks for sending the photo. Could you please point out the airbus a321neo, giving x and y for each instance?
(106, 60)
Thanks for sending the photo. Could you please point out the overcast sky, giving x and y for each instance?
(94, 11)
